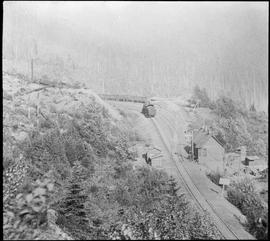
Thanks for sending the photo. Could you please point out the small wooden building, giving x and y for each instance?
(208, 150)
(255, 164)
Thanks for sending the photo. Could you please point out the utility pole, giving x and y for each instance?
(224, 158)
(243, 153)
(192, 151)
(242, 156)
(32, 69)
(33, 56)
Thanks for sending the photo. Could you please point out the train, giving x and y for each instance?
(125, 98)
(148, 109)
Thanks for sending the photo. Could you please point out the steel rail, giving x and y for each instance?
(225, 230)
(123, 98)
(210, 204)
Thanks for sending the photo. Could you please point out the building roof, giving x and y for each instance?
(220, 140)
(201, 137)
(255, 163)
(259, 168)
(258, 162)
(252, 158)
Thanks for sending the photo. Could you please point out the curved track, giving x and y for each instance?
(190, 186)
(194, 192)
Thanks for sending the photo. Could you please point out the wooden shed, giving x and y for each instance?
(208, 150)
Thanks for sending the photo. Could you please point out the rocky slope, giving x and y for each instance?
(30, 107)
(27, 106)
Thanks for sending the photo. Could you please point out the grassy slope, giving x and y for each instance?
(53, 130)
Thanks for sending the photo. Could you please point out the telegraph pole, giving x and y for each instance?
(32, 70)
(243, 153)
(242, 156)
(192, 151)
(33, 56)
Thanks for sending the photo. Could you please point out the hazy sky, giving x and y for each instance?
(220, 39)
(166, 28)
(137, 21)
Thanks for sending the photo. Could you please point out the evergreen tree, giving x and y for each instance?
(252, 108)
(172, 186)
(72, 207)
(200, 96)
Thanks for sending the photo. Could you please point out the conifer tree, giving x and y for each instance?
(172, 186)
(72, 207)
(252, 108)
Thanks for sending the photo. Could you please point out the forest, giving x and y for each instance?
(149, 49)
(235, 124)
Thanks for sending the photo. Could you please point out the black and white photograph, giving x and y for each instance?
(135, 120)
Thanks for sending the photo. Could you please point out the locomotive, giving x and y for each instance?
(148, 109)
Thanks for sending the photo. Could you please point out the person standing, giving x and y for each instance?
(145, 157)
(149, 161)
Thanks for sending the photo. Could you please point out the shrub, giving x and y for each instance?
(47, 152)
(154, 211)
(45, 123)
(13, 177)
(242, 194)
(239, 127)
(174, 220)
(71, 207)
(226, 107)
(93, 130)
(27, 213)
(201, 96)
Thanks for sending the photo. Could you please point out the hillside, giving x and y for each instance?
(30, 106)
(69, 172)
(37, 130)
(76, 166)
(232, 121)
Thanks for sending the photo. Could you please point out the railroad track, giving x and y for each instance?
(123, 98)
(184, 176)
(200, 201)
